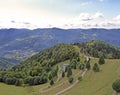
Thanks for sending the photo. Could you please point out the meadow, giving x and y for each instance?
(94, 83)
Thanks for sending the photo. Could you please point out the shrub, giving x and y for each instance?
(116, 85)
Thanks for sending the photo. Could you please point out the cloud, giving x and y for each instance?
(88, 17)
(117, 17)
(17, 24)
(98, 15)
(85, 17)
(86, 20)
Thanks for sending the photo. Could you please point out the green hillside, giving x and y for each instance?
(92, 84)
(38, 67)
(99, 83)
(50, 56)
(96, 48)
(44, 73)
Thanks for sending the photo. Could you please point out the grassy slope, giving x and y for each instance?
(14, 90)
(93, 83)
(98, 83)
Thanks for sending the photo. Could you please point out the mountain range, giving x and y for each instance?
(17, 45)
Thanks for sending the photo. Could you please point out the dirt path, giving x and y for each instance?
(76, 82)
(114, 93)
(43, 90)
(71, 86)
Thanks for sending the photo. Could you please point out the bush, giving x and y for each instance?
(51, 82)
(10, 81)
(63, 74)
(116, 85)
(88, 65)
(19, 82)
(80, 78)
(70, 79)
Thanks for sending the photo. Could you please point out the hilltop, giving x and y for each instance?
(96, 48)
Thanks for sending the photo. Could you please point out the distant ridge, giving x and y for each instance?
(19, 44)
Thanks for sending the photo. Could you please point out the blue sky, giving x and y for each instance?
(60, 13)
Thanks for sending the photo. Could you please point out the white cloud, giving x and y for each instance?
(85, 17)
(84, 20)
(17, 24)
(98, 15)
(117, 17)
(88, 17)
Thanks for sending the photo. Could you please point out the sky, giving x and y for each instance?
(59, 13)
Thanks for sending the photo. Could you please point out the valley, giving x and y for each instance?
(59, 47)
(19, 44)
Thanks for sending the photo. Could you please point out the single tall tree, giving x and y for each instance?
(101, 60)
(69, 71)
(96, 68)
(88, 65)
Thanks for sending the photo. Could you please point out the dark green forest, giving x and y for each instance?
(96, 48)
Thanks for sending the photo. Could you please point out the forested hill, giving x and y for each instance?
(98, 48)
(36, 70)
(48, 57)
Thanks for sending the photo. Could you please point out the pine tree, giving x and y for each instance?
(96, 68)
(69, 71)
(82, 66)
(88, 65)
(101, 60)
(63, 74)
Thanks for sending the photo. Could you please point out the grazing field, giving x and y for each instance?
(98, 83)
(14, 90)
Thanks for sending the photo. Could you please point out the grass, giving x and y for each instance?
(92, 84)
(14, 90)
(98, 83)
